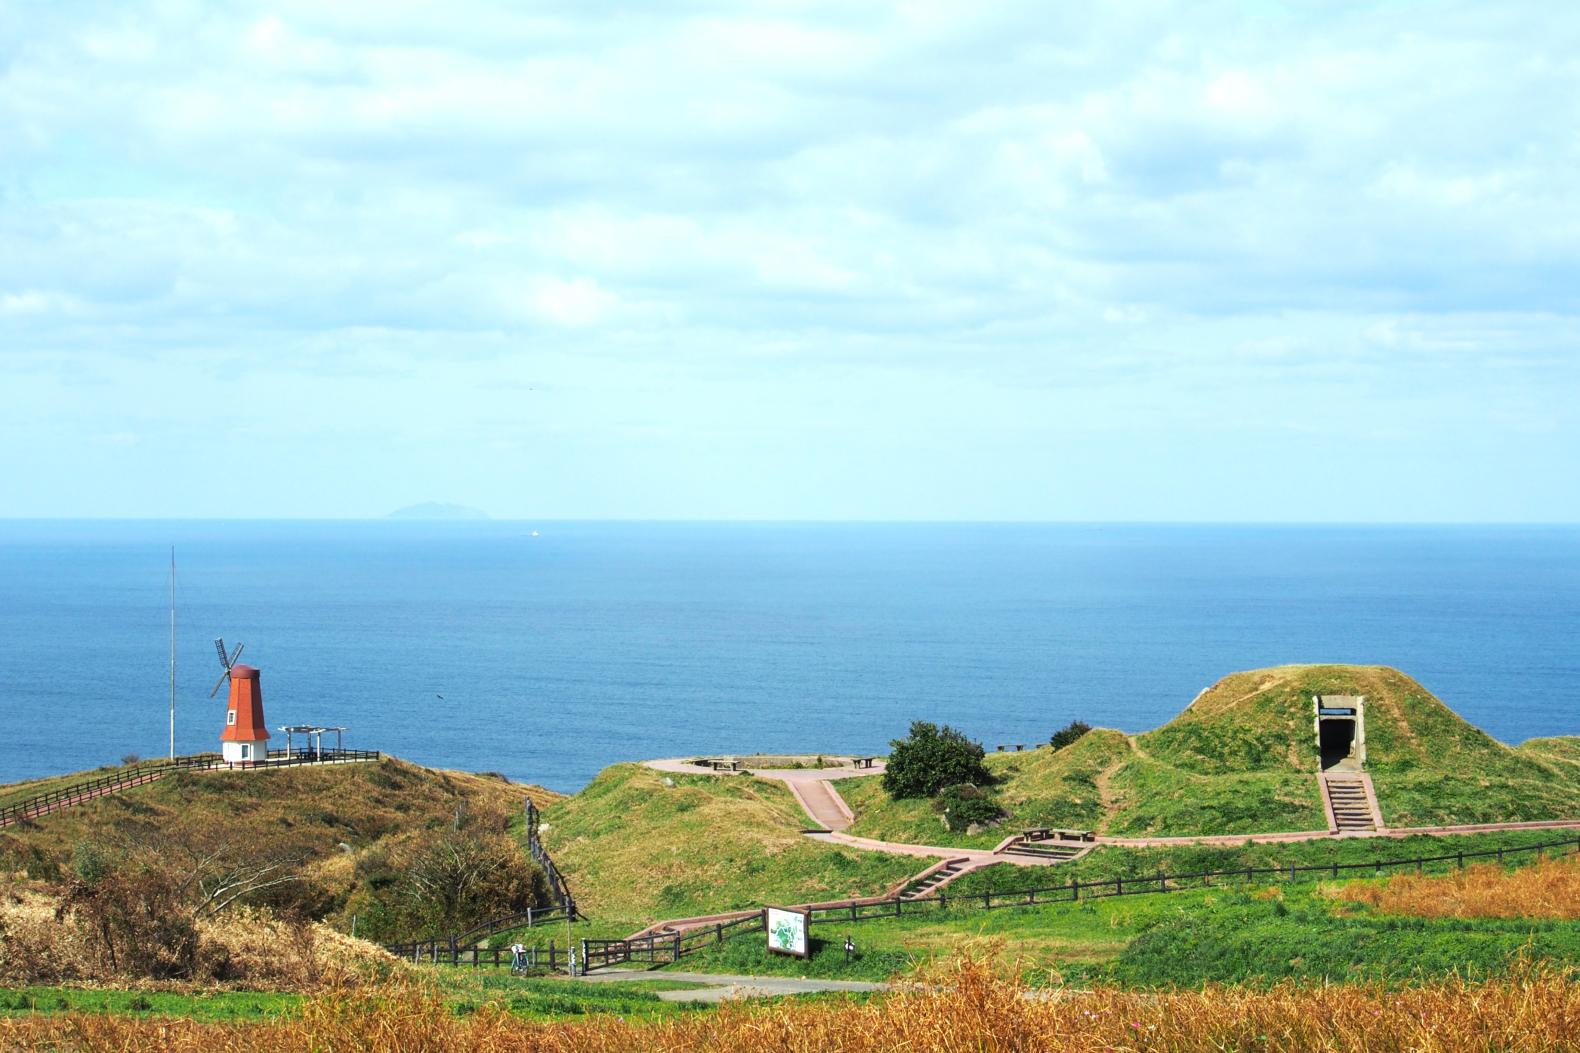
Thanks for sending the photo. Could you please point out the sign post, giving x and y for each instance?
(787, 930)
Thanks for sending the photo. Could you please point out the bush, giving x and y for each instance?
(1069, 733)
(933, 757)
(966, 804)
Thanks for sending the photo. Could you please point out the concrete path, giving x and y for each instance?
(721, 986)
(818, 797)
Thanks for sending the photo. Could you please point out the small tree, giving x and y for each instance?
(1069, 733)
(963, 805)
(933, 757)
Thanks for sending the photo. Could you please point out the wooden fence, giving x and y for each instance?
(553, 958)
(663, 948)
(89, 789)
(457, 949)
(557, 884)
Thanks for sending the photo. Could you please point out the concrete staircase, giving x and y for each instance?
(1051, 851)
(935, 878)
(1350, 802)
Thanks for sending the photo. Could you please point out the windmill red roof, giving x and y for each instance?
(246, 701)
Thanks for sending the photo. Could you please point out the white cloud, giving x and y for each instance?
(1032, 197)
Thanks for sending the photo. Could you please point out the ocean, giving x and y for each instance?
(484, 646)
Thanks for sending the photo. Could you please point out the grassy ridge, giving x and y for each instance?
(644, 845)
(1242, 758)
(333, 822)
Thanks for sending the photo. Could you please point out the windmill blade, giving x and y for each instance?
(219, 645)
(235, 655)
(220, 683)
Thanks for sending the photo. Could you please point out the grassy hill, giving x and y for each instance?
(643, 845)
(1241, 758)
(347, 830)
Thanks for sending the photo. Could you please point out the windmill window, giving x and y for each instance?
(246, 752)
(230, 718)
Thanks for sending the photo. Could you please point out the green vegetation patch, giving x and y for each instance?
(640, 843)
(1242, 758)
(202, 1005)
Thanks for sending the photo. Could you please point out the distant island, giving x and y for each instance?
(437, 510)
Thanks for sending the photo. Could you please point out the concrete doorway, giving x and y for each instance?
(1341, 732)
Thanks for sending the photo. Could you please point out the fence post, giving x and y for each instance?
(987, 901)
(852, 912)
(1075, 892)
(1119, 886)
(1335, 871)
(718, 933)
(1163, 881)
(1291, 872)
(1462, 861)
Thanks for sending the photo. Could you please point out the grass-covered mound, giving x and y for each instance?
(644, 845)
(1242, 758)
(1429, 765)
(346, 835)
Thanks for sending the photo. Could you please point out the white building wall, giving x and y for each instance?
(231, 751)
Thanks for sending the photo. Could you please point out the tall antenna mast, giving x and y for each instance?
(172, 652)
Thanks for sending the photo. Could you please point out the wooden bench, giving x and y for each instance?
(1018, 746)
(1041, 833)
(1074, 835)
(863, 762)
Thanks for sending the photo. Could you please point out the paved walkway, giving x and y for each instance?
(818, 797)
(721, 986)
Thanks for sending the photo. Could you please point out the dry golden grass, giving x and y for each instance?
(1549, 889)
(969, 1009)
(242, 947)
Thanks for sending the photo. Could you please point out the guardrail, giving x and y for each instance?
(89, 789)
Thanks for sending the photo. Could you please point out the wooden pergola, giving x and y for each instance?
(314, 734)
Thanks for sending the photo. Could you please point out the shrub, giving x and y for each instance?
(933, 757)
(966, 804)
(1069, 733)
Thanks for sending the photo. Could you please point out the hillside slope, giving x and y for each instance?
(1242, 758)
(346, 830)
(639, 844)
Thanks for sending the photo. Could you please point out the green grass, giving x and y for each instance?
(463, 990)
(1111, 861)
(1254, 934)
(1242, 758)
(208, 1005)
(1239, 940)
(640, 844)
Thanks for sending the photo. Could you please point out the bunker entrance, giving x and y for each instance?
(1337, 745)
(1341, 732)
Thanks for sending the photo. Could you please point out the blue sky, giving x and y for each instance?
(1147, 261)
